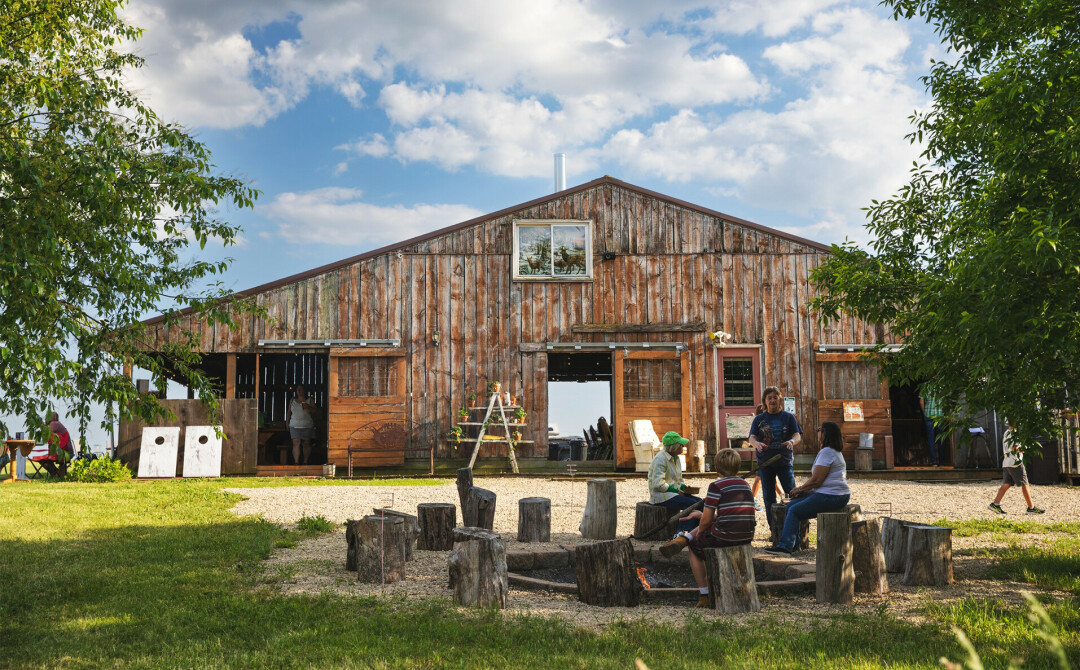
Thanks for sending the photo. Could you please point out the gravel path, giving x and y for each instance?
(318, 565)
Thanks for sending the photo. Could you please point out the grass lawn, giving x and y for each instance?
(161, 574)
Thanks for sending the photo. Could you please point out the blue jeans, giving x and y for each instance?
(931, 439)
(678, 503)
(785, 472)
(807, 507)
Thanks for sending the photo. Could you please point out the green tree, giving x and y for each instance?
(100, 202)
(976, 261)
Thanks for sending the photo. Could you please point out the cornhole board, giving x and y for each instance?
(202, 451)
(157, 452)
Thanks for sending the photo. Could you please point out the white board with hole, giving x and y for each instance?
(202, 451)
(157, 455)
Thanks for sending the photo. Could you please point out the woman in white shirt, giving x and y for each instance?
(301, 425)
(826, 490)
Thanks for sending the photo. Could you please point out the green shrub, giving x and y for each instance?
(314, 524)
(98, 470)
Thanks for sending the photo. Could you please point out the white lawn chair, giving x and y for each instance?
(646, 443)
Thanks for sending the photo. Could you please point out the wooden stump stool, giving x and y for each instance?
(378, 544)
(732, 586)
(477, 504)
(835, 575)
(802, 541)
(600, 519)
(894, 534)
(477, 568)
(929, 556)
(605, 573)
(650, 517)
(412, 528)
(867, 558)
(436, 522)
(534, 520)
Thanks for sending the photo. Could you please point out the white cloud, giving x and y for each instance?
(340, 217)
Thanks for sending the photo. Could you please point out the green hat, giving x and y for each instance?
(671, 437)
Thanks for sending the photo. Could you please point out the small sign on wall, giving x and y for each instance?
(853, 411)
(789, 405)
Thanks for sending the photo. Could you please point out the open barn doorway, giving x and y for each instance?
(279, 375)
(579, 407)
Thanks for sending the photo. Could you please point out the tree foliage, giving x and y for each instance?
(100, 201)
(976, 261)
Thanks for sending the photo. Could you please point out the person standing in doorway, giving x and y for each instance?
(932, 419)
(775, 433)
(301, 425)
(1013, 473)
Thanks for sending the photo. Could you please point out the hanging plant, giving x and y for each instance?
(454, 434)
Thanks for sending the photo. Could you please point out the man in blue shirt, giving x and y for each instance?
(775, 432)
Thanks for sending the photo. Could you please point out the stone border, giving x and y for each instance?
(788, 576)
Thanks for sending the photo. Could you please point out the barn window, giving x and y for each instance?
(560, 250)
(650, 379)
(366, 377)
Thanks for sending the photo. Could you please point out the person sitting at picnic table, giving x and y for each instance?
(728, 519)
(666, 487)
(826, 491)
(60, 449)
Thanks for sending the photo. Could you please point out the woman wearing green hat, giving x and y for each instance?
(666, 485)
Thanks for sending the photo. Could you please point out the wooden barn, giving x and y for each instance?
(605, 281)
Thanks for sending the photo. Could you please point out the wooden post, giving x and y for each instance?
(732, 587)
(379, 546)
(605, 573)
(477, 568)
(230, 376)
(648, 516)
(436, 522)
(929, 556)
(464, 483)
(600, 519)
(867, 558)
(412, 528)
(894, 544)
(351, 530)
(477, 504)
(802, 540)
(534, 520)
(835, 575)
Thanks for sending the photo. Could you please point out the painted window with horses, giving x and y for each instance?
(559, 250)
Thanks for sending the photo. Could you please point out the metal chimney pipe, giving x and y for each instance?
(560, 172)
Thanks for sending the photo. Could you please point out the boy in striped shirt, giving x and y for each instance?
(728, 519)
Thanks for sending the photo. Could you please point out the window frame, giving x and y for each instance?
(515, 263)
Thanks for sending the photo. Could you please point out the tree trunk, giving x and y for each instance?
(867, 557)
(464, 483)
(894, 535)
(412, 528)
(600, 519)
(606, 574)
(835, 576)
(436, 521)
(650, 517)
(379, 544)
(929, 556)
(802, 540)
(732, 587)
(479, 510)
(478, 568)
(351, 529)
(534, 520)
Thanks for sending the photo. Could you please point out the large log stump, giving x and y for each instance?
(534, 520)
(379, 546)
(477, 568)
(436, 521)
(929, 556)
(412, 528)
(802, 540)
(732, 587)
(477, 504)
(894, 536)
(867, 558)
(600, 519)
(835, 575)
(650, 517)
(605, 573)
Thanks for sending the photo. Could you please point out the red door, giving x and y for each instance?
(739, 392)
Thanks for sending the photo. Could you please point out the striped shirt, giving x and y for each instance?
(731, 500)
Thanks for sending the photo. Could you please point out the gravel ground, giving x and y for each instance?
(317, 565)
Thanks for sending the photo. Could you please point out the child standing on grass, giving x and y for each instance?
(1013, 473)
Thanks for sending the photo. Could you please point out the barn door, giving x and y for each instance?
(851, 394)
(366, 395)
(739, 392)
(652, 385)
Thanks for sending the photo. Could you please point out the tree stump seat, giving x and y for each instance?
(929, 556)
(732, 585)
(376, 548)
(436, 526)
(600, 519)
(477, 567)
(534, 520)
(650, 517)
(606, 574)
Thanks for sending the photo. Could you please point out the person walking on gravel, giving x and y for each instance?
(1013, 473)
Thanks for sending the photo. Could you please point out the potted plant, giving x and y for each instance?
(516, 436)
(472, 398)
(463, 413)
(519, 415)
(454, 434)
(494, 387)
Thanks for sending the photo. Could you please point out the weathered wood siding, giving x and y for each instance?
(673, 264)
